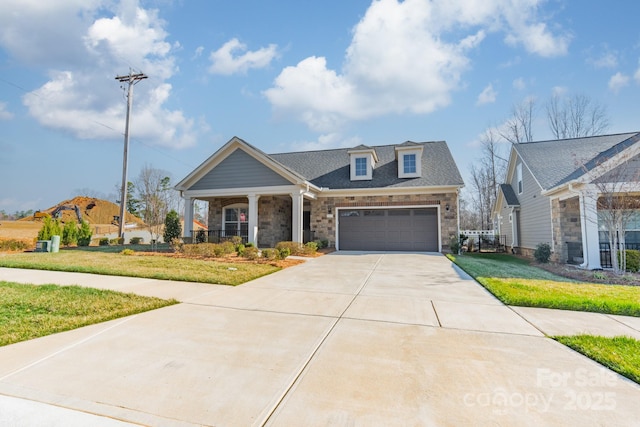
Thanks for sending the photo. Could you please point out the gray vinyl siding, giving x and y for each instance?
(239, 170)
(505, 225)
(535, 212)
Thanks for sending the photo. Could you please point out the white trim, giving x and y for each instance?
(401, 152)
(339, 208)
(383, 191)
(368, 158)
(227, 192)
(519, 179)
(235, 206)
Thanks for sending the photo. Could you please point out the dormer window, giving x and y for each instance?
(361, 166)
(363, 160)
(409, 156)
(409, 163)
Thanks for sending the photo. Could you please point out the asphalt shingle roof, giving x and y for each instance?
(330, 168)
(556, 162)
(509, 195)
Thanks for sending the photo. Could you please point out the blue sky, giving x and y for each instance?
(286, 76)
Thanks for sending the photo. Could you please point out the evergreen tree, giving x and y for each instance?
(70, 233)
(50, 227)
(172, 227)
(84, 235)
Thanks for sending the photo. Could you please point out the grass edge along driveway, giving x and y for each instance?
(514, 282)
(31, 311)
(138, 265)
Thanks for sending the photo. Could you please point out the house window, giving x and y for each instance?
(361, 166)
(409, 163)
(236, 220)
(519, 177)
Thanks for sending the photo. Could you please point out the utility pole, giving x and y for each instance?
(131, 79)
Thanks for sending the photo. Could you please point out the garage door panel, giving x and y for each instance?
(397, 229)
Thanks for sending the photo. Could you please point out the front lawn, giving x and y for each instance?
(138, 265)
(515, 282)
(620, 354)
(29, 311)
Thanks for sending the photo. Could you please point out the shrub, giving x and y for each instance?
(201, 236)
(240, 249)
(236, 240)
(135, 240)
(542, 253)
(283, 252)
(295, 248)
(116, 241)
(127, 252)
(84, 234)
(50, 227)
(454, 245)
(269, 253)
(310, 248)
(248, 245)
(13, 245)
(250, 252)
(322, 243)
(633, 260)
(172, 227)
(104, 241)
(176, 245)
(211, 250)
(70, 233)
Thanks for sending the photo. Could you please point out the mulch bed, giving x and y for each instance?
(606, 277)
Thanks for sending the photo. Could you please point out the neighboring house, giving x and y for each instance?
(392, 197)
(552, 191)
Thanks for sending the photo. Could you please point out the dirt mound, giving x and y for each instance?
(92, 210)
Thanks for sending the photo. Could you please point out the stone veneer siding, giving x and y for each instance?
(567, 226)
(274, 217)
(325, 227)
(274, 220)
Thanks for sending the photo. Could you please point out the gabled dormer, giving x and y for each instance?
(409, 157)
(362, 161)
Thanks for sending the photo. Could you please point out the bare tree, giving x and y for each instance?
(576, 116)
(486, 174)
(156, 198)
(519, 126)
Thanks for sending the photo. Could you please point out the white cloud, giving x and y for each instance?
(636, 75)
(606, 58)
(198, 52)
(618, 81)
(487, 96)
(519, 84)
(559, 91)
(101, 39)
(4, 113)
(405, 57)
(224, 62)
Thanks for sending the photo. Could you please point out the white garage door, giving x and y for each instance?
(388, 229)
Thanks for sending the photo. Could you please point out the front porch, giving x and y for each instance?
(260, 219)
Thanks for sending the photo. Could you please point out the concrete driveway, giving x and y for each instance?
(344, 339)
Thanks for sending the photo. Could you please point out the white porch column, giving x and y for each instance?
(253, 218)
(589, 223)
(188, 216)
(297, 206)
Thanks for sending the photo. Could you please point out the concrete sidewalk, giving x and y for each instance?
(344, 339)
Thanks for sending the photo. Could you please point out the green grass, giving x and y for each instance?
(620, 354)
(515, 282)
(147, 266)
(29, 311)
